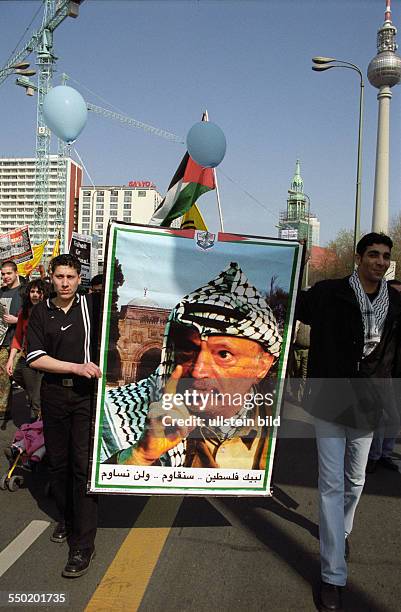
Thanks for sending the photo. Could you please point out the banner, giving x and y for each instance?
(26, 268)
(81, 247)
(195, 337)
(16, 245)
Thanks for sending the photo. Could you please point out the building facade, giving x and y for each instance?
(132, 203)
(141, 327)
(17, 198)
(297, 222)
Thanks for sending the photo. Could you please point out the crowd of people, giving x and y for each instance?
(348, 355)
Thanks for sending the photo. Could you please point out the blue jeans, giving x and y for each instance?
(381, 446)
(342, 454)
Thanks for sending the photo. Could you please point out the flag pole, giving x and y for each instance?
(217, 187)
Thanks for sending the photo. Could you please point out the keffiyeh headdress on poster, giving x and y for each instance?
(227, 305)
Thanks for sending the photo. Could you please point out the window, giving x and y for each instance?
(114, 193)
(85, 225)
(86, 205)
(113, 198)
(127, 196)
(127, 206)
(99, 219)
(86, 194)
(127, 219)
(141, 193)
(113, 206)
(86, 199)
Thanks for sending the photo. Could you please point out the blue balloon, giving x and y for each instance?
(65, 112)
(206, 144)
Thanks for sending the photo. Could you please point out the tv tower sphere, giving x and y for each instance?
(385, 68)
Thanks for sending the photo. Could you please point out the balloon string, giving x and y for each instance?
(84, 167)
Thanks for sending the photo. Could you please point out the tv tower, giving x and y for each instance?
(384, 71)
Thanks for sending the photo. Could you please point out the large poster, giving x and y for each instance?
(195, 338)
(16, 245)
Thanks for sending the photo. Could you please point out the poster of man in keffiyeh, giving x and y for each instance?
(195, 339)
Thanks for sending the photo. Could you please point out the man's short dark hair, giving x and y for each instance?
(9, 264)
(65, 260)
(97, 280)
(373, 238)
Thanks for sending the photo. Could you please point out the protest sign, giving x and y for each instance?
(195, 339)
(81, 247)
(5, 304)
(16, 245)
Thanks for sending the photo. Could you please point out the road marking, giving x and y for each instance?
(125, 582)
(20, 544)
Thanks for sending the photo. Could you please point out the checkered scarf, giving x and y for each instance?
(373, 313)
(227, 305)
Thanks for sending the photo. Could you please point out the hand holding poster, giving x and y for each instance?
(195, 339)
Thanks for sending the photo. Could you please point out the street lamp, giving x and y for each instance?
(308, 242)
(320, 65)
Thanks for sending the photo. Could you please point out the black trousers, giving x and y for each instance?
(66, 413)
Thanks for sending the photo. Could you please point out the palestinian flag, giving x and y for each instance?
(188, 184)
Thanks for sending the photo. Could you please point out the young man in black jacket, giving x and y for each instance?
(353, 346)
(62, 342)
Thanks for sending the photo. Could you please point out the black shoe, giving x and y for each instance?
(371, 466)
(388, 463)
(330, 597)
(347, 550)
(78, 563)
(60, 533)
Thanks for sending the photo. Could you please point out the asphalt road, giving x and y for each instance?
(236, 554)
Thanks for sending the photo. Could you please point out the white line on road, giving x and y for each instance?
(20, 544)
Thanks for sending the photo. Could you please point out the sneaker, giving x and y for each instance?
(78, 563)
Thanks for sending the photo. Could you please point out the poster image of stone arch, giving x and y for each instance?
(195, 338)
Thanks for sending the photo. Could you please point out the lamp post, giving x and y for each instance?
(320, 65)
(308, 242)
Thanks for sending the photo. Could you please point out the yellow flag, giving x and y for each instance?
(56, 248)
(26, 268)
(193, 219)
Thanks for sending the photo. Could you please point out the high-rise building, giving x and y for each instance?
(133, 203)
(298, 222)
(17, 198)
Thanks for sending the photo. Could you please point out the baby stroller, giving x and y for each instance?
(26, 451)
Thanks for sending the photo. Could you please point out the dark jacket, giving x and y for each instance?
(343, 387)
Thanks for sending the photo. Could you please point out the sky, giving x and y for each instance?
(154, 265)
(248, 62)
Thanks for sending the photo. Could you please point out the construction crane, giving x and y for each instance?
(133, 123)
(41, 42)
